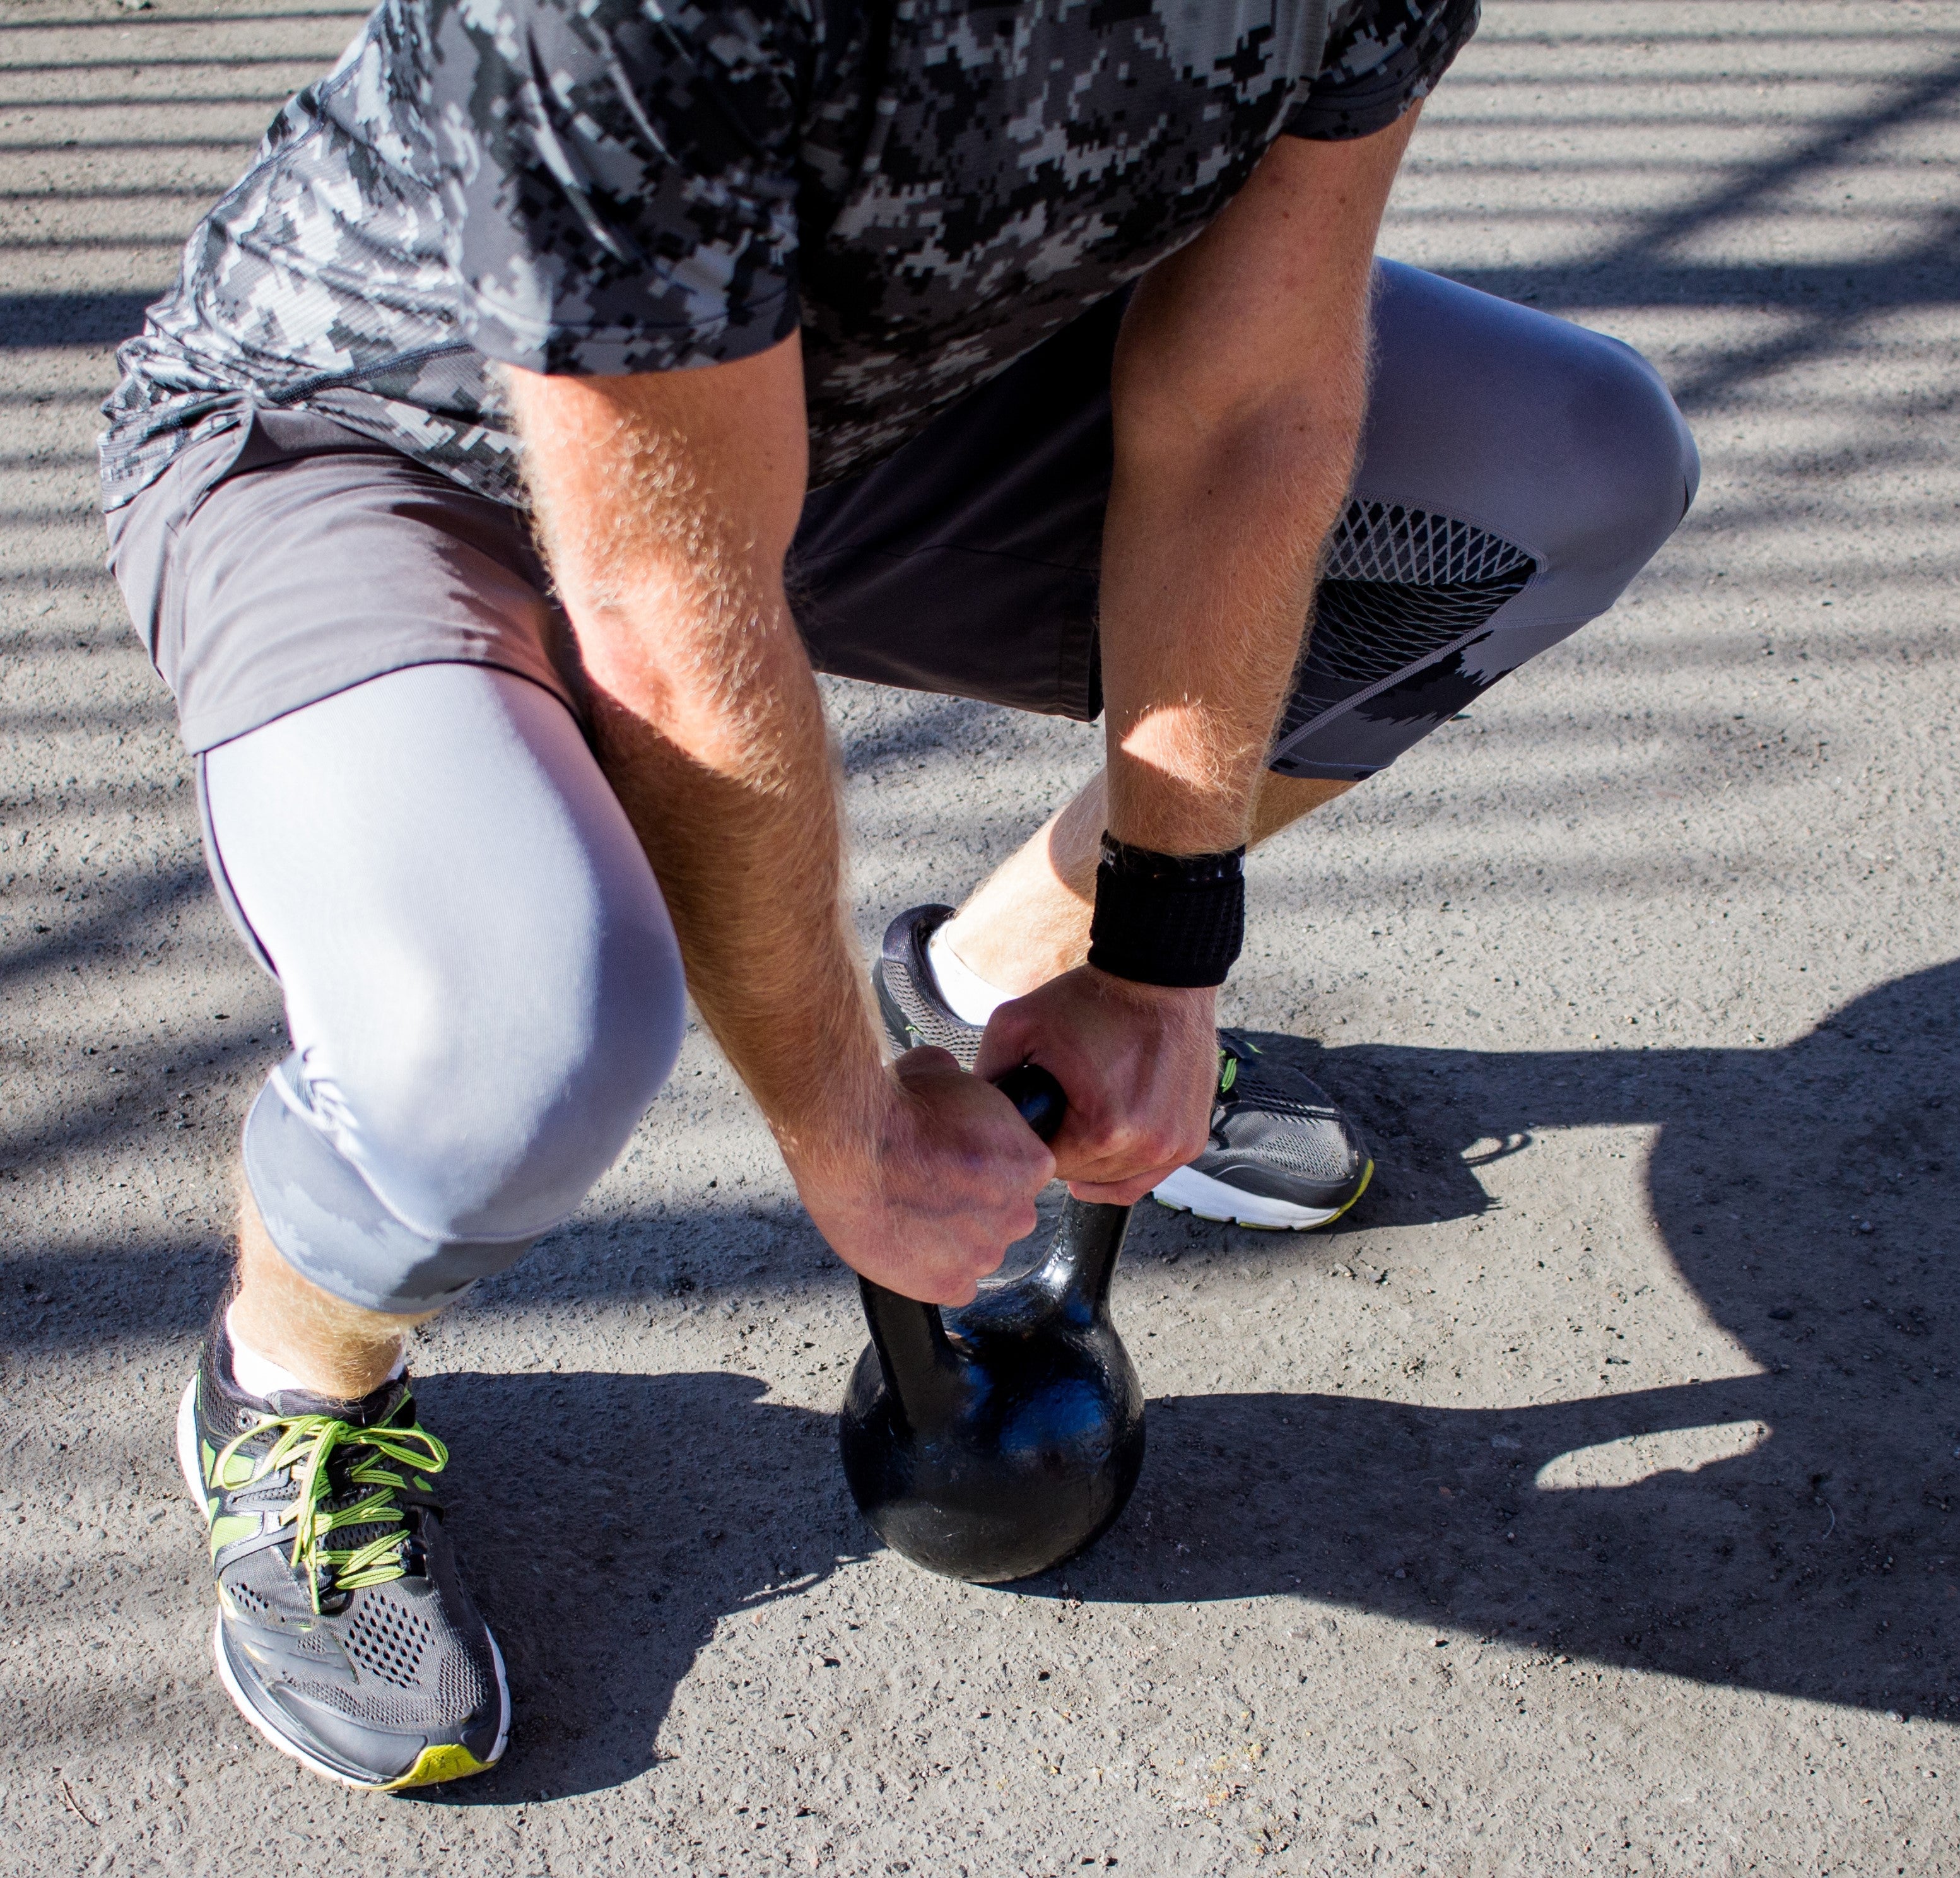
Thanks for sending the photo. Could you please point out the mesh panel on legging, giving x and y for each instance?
(1400, 584)
(1383, 541)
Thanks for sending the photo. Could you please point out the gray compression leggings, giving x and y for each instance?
(482, 989)
(481, 985)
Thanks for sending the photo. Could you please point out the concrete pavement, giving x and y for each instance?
(1585, 1503)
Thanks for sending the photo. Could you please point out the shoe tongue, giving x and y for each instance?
(365, 1411)
(371, 1411)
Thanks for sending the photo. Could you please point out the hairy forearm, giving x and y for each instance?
(711, 731)
(749, 857)
(1238, 394)
(1210, 550)
(666, 502)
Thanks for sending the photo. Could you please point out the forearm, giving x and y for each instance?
(666, 502)
(709, 726)
(1209, 556)
(750, 858)
(1238, 395)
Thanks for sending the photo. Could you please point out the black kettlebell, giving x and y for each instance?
(1005, 1445)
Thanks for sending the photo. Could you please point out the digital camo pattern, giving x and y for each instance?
(927, 187)
(1380, 58)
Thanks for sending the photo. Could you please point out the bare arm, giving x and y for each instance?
(1238, 392)
(668, 502)
(1239, 386)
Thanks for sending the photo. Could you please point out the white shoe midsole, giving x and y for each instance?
(1190, 1192)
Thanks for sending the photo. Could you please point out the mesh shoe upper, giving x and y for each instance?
(345, 1633)
(908, 997)
(1274, 1133)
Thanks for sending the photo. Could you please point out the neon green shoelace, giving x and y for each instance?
(304, 1444)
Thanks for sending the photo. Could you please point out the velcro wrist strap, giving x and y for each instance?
(1167, 919)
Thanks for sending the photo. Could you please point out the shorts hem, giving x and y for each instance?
(204, 732)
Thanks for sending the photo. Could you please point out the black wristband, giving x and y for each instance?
(1167, 919)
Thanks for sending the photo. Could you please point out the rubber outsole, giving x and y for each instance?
(433, 1765)
(1188, 1191)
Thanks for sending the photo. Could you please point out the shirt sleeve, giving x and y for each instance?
(1382, 57)
(617, 179)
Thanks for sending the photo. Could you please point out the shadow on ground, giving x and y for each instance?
(1807, 1194)
(646, 1510)
(1802, 1543)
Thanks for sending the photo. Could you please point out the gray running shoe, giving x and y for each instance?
(1282, 1155)
(344, 1634)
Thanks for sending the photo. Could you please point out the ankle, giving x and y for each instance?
(1015, 941)
(1028, 922)
(970, 998)
(265, 1373)
(332, 1347)
(265, 1364)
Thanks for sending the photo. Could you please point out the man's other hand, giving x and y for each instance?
(1140, 1066)
(924, 1193)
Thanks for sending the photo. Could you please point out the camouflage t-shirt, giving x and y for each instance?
(929, 187)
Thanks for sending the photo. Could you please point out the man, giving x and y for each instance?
(1019, 351)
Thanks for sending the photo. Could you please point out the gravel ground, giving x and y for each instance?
(1584, 1503)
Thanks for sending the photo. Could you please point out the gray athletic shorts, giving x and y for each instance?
(1517, 472)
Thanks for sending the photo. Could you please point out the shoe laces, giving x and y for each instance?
(304, 1444)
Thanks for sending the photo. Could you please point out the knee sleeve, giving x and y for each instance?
(1517, 472)
(481, 984)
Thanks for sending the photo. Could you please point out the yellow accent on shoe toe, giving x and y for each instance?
(434, 1765)
(1367, 1174)
(1254, 1226)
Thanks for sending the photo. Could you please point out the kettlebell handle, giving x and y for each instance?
(1082, 1260)
(1037, 1097)
(910, 1336)
(918, 1360)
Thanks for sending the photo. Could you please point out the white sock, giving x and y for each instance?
(259, 1375)
(973, 1000)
